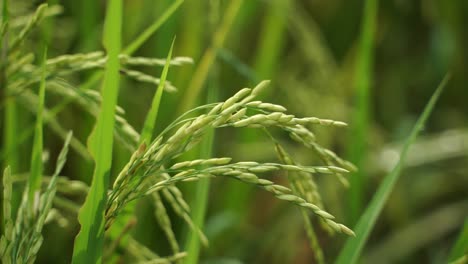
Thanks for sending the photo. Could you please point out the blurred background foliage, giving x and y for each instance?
(309, 49)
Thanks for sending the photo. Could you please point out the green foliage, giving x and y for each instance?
(89, 243)
(361, 117)
(310, 51)
(131, 48)
(459, 251)
(148, 127)
(36, 162)
(354, 246)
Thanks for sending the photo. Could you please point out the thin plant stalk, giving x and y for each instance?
(145, 35)
(6, 133)
(361, 116)
(206, 62)
(200, 202)
(200, 197)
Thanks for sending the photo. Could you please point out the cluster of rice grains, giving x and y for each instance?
(22, 236)
(149, 169)
(23, 75)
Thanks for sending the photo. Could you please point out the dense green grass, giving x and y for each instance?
(369, 63)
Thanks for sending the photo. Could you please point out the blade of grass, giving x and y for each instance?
(191, 36)
(150, 121)
(143, 37)
(35, 178)
(271, 39)
(88, 30)
(442, 221)
(460, 248)
(89, 242)
(9, 126)
(354, 246)
(361, 115)
(89, 14)
(48, 25)
(200, 193)
(4, 24)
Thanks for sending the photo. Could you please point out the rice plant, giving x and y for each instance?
(172, 162)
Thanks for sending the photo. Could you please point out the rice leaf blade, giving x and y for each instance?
(361, 116)
(150, 121)
(460, 248)
(145, 35)
(89, 242)
(354, 245)
(35, 177)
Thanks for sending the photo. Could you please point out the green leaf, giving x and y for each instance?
(460, 249)
(35, 177)
(89, 242)
(150, 121)
(143, 37)
(354, 245)
(361, 116)
(7, 206)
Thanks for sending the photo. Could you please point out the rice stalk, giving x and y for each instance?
(199, 77)
(149, 31)
(361, 116)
